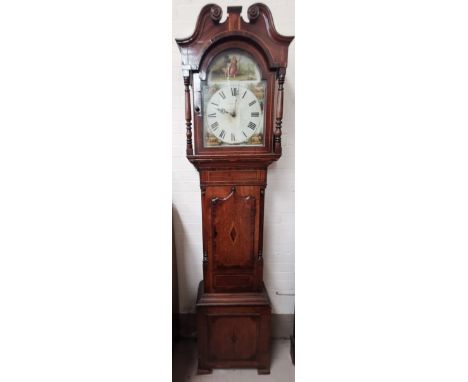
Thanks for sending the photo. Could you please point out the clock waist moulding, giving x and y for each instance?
(235, 71)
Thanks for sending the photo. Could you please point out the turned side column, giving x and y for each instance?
(279, 111)
(188, 116)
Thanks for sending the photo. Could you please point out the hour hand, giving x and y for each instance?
(223, 110)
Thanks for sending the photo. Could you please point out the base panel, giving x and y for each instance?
(233, 330)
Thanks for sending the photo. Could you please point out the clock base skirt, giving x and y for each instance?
(233, 330)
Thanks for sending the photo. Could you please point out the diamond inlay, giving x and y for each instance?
(233, 336)
(233, 234)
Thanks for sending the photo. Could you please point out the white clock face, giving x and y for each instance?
(234, 114)
(234, 99)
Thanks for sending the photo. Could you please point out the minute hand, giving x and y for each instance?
(233, 114)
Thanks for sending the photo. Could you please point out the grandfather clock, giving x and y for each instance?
(236, 71)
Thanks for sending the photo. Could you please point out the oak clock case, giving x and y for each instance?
(233, 76)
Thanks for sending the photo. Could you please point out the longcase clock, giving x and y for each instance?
(233, 75)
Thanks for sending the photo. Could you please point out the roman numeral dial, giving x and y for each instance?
(233, 115)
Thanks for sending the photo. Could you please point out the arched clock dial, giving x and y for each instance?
(234, 114)
(234, 99)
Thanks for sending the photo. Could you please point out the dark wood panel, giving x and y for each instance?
(232, 243)
(233, 330)
(234, 282)
(233, 230)
(233, 337)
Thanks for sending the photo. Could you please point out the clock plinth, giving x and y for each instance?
(233, 330)
(236, 70)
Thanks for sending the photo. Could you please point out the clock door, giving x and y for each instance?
(233, 237)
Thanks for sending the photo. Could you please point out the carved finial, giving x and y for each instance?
(253, 12)
(216, 13)
(281, 74)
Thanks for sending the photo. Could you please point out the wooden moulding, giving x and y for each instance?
(226, 160)
(232, 299)
(260, 30)
(231, 177)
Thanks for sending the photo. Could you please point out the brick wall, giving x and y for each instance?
(279, 197)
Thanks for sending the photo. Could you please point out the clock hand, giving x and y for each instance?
(233, 114)
(223, 110)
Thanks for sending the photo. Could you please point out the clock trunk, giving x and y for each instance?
(232, 211)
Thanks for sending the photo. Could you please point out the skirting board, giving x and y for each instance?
(281, 325)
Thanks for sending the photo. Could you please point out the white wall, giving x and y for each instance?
(279, 200)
